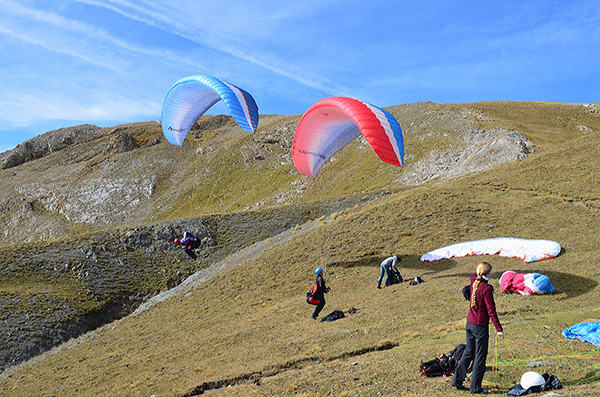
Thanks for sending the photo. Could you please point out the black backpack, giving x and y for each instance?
(334, 315)
(466, 292)
(394, 277)
(455, 356)
(435, 367)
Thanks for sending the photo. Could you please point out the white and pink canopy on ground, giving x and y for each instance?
(528, 250)
(525, 283)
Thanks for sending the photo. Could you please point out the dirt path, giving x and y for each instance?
(232, 260)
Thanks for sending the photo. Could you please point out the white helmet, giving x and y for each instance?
(531, 378)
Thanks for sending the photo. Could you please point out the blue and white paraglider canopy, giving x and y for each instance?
(192, 96)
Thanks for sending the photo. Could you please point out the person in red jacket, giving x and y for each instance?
(320, 293)
(481, 309)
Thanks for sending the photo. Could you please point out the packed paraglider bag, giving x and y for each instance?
(445, 365)
(334, 315)
(394, 277)
(435, 367)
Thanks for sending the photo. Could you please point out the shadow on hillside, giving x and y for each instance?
(565, 283)
(412, 262)
(568, 284)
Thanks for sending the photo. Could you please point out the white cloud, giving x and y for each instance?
(31, 107)
(188, 22)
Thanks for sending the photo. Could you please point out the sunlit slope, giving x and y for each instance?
(249, 327)
(130, 174)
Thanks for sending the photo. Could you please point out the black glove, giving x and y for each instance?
(466, 292)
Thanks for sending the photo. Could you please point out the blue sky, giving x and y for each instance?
(108, 62)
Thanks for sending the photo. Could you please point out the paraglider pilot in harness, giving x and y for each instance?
(392, 275)
(319, 293)
(189, 244)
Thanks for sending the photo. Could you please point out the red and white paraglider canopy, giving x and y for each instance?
(332, 123)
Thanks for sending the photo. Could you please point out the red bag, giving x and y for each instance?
(310, 295)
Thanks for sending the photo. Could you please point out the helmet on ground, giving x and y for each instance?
(531, 378)
(176, 241)
(318, 270)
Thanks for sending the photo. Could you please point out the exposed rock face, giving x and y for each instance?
(592, 107)
(477, 151)
(98, 200)
(121, 142)
(44, 144)
(84, 284)
(280, 134)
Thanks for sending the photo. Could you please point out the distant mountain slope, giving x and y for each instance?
(85, 178)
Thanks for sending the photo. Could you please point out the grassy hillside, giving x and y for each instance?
(248, 332)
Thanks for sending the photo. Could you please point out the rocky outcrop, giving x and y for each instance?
(476, 151)
(70, 288)
(44, 144)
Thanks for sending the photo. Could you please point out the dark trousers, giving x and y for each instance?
(318, 308)
(477, 349)
(190, 253)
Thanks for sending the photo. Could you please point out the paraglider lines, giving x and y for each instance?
(555, 353)
(533, 330)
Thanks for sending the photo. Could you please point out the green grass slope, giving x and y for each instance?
(247, 332)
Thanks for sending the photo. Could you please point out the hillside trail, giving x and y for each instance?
(186, 286)
(204, 275)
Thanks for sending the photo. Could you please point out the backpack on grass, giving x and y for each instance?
(435, 367)
(455, 356)
(394, 277)
(445, 365)
(334, 315)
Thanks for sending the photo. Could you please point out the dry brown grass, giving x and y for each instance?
(249, 328)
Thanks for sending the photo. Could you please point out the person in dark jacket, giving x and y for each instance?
(189, 244)
(320, 294)
(482, 309)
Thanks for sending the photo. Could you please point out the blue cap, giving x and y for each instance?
(318, 270)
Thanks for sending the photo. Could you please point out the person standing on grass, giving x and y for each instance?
(482, 308)
(320, 293)
(387, 267)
